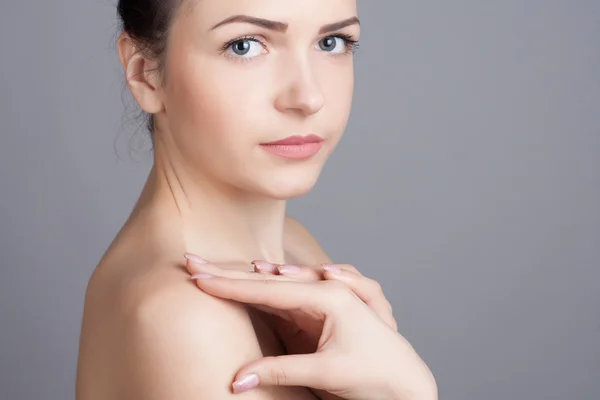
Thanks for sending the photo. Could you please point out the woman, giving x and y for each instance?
(247, 100)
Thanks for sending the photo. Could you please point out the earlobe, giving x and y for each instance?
(140, 74)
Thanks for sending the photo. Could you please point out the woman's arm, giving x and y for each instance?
(183, 344)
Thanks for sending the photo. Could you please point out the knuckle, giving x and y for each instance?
(371, 289)
(389, 306)
(278, 377)
(351, 268)
(376, 287)
(339, 294)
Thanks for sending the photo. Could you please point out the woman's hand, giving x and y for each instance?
(357, 354)
(367, 289)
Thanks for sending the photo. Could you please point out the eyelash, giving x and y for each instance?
(351, 44)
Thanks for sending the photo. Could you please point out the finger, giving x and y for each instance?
(301, 272)
(367, 289)
(262, 266)
(311, 272)
(347, 267)
(298, 272)
(193, 263)
(316, 298)
(195, 269)
(289, 370)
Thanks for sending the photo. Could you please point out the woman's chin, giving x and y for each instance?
(290, 188)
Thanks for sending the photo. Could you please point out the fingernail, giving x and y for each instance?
(202, 275)
(288, 269)
(332, 268)
(263, 265)
(247, 382)
(195, 258)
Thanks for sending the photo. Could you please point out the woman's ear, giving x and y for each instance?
(141, 74)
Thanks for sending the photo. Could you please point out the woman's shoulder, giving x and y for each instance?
(132, 276)
(144, 287)
(155, 324)
(145, 317)
(136, 275)
(301, 246)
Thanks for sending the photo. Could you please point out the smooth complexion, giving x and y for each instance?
(215, 107)
(148, 332)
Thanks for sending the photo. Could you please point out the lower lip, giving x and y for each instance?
(297, 151)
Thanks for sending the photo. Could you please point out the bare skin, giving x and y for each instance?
(148, 332)
(141, 284)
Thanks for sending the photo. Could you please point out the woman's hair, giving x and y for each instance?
(148, 22)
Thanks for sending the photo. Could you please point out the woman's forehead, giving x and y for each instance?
(294, 13)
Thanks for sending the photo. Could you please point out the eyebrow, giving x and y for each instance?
(282, 26)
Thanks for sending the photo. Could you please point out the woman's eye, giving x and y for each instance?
(246, 48)
(333, 44)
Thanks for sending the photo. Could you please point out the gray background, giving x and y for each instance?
(469, 173)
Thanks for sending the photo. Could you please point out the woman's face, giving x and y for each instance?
(232, 86)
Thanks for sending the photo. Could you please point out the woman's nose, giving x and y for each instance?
(301, 93)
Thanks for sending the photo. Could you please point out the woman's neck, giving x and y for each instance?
(215, 221)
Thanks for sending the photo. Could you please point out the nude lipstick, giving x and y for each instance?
(297, 147)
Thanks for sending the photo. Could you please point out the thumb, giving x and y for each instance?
(288, 370)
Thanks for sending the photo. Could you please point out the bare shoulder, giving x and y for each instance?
(150, 333)
(183, 342)
(302, 247)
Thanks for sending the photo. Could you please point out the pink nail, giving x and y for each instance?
(263, 265)
(289, 269)
(195, 258)
(333, 269)
(248, 382)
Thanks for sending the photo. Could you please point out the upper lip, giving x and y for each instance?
(296, 139)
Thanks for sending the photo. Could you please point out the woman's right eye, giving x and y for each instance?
(244, 48)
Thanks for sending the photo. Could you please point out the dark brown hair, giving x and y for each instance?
(148, 22)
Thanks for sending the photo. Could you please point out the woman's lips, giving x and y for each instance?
(296, 147)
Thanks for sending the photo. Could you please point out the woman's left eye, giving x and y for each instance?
(337, 44)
